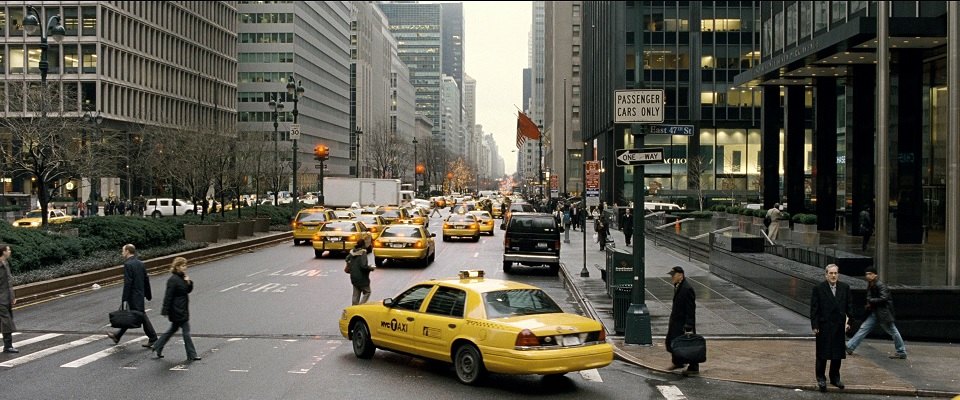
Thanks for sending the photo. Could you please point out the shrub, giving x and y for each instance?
(719, 208)
(760, 213)
(796, 218)
(785, 215)
(808, 219)
(279, 215)
(33, 248)
(115, 231)
(701, 214)
(746, 211)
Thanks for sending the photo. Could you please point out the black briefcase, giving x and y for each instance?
(128, 319)
(689, 348)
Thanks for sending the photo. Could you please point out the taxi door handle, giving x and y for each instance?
(410, 319)
(452, 326)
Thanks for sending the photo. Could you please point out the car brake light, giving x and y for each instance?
(352, 237)
(526, 338)
(556, 245)
(506, 242)
(295, 225)
(603, 336)
(377, 244)
(473, 226)
(374, 229)
(418, 244)
(447, 226)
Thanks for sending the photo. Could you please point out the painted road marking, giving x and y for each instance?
(258, 272)
(40, 338)
(101, 354)
(591, 375)
(55, 349)
(671, 392)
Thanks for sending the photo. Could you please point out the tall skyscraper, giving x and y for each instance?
(472, 139)
(453, 41)
(563, 27)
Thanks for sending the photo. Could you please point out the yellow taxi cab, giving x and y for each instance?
(344, 214)
(34, 218)
(393, 215)
(496, 211)
(461, 225)
(405, 242)
(374, 223)
(341, 236)
(417, 216)
(480, 325)
(308, 222)
(485, 220)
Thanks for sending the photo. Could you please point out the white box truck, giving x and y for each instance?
(343, 192)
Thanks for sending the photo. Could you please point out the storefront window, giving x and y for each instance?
(754, 140)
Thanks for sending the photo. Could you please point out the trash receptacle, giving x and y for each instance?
(621, 303)
(619, 268)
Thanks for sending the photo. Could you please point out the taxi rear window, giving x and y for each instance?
(340, 227)
(507, 303)
(368, 219)
(524, 207)
(461, 218)
(401, 231)
(311, 217)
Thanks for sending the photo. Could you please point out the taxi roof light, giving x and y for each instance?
(471, 273)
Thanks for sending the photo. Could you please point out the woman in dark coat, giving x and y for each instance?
(7, 300)
(176, 306)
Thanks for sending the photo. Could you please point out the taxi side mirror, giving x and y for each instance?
(388, 302)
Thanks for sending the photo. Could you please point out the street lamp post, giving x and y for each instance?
(296, 89)
(31, 22)
(416, 172)
(540, 160)
(276, 107)
(359, 133)
(97, 120)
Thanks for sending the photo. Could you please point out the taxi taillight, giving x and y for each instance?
(447, 226)
(377, 243)
(419, 244)
(473, 226)
(295, 224)
(556, 244)
(353, 237)
(526, 338)
(603, 336)
(374, 229)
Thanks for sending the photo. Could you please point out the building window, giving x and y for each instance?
(708, 98)
(792, 24)
(822, 9)
(90, 59)
(720, 25)
(839, 11)
(89, 21)
(778, 32)
(806, 19)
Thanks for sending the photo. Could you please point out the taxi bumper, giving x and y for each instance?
(399, 253)
(305, 232)
(334, 246)
(531, 258)
(486, 227)
(460, 232)
(569, 359)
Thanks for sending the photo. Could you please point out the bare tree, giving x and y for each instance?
(696, 168)
(386, 155)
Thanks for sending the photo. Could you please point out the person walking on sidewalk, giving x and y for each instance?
(866, 227)
(626, 225)
(830, 310)
(879, 310)
(176, 306)
(7, 299)
(359, 270)
(683, 317)
(136, 288)
(773, 227)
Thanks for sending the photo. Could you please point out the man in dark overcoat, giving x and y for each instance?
(136, 288)
(626, 225)
(7, 299)
(830, 310)
(683, 316)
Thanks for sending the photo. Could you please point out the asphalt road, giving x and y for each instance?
(265, 324)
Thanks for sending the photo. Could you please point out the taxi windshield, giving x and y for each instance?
(318, 216)
(401, 231)
(508, 303)
(340, 227)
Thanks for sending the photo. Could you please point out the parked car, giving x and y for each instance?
(163, 207)
(33, 219)
(532, 239)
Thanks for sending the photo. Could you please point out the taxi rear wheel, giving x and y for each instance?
(362, 344)
(469, 364)
(318, 253)
(507, 265)
(296, 242)
(378, 261)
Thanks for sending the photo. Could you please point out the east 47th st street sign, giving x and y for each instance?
(627, 157)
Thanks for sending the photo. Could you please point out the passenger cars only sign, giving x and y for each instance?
(638, 106)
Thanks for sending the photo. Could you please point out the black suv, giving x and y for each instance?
(532, 239)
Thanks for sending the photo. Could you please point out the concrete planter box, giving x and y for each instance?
(261, 225)
(737, 242)
(245, 227)
(228, 230)
(201, 233)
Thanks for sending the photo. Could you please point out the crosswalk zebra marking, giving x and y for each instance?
(671, 392)
(46, 352)
(37, 339)
(101, 354)
(591, 375)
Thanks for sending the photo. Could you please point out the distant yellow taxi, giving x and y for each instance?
(461, 225)
(480, 325)
(485, 220)
(405, 242)
(308, 222)
(34, 219)
(393, 215)
(418, 216)
(341, 236)
(374, 223)
(344, 214)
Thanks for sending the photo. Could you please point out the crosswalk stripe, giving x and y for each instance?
(37, 339)
(591, 375)
(46, 352)
(671, 392)
(100, 354)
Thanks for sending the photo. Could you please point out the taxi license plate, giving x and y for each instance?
(333, 239)
(541, 245)
(571, 340)
(396, 245)
(460, 226)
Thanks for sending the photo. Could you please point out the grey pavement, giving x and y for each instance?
(749, 338)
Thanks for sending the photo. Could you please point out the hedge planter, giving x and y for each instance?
(245, 227)
(804, 228)
(201, 233)
(228, 230)
(261, 224)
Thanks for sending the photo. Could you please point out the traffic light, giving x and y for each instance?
(321, 152)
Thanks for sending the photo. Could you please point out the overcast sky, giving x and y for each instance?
(495, 47)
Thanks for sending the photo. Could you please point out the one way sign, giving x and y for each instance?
(627, 157)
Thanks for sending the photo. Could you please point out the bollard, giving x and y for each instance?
(677, 227)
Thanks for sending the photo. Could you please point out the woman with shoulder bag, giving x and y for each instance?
(176, 306)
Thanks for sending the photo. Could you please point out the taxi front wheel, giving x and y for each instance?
(469, 364)
(362, 344)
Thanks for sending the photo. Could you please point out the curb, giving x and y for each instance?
(625, 356)
(38, 292)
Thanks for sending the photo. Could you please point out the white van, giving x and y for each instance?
(668, 207)
(163, 207)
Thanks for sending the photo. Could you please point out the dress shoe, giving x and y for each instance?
(673, 367)
(11, 350)
(899, 356)
(822, 385)
(849, 351)
(159, 353)
(195, 358)
(149, 344)
(113, 337)
(838, 383)
(689, 372)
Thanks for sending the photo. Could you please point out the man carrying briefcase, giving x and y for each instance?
(683, 319)
(136, 288)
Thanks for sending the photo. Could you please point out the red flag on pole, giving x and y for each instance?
(526, 129)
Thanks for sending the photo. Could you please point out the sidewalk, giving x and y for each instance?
(750, 339)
